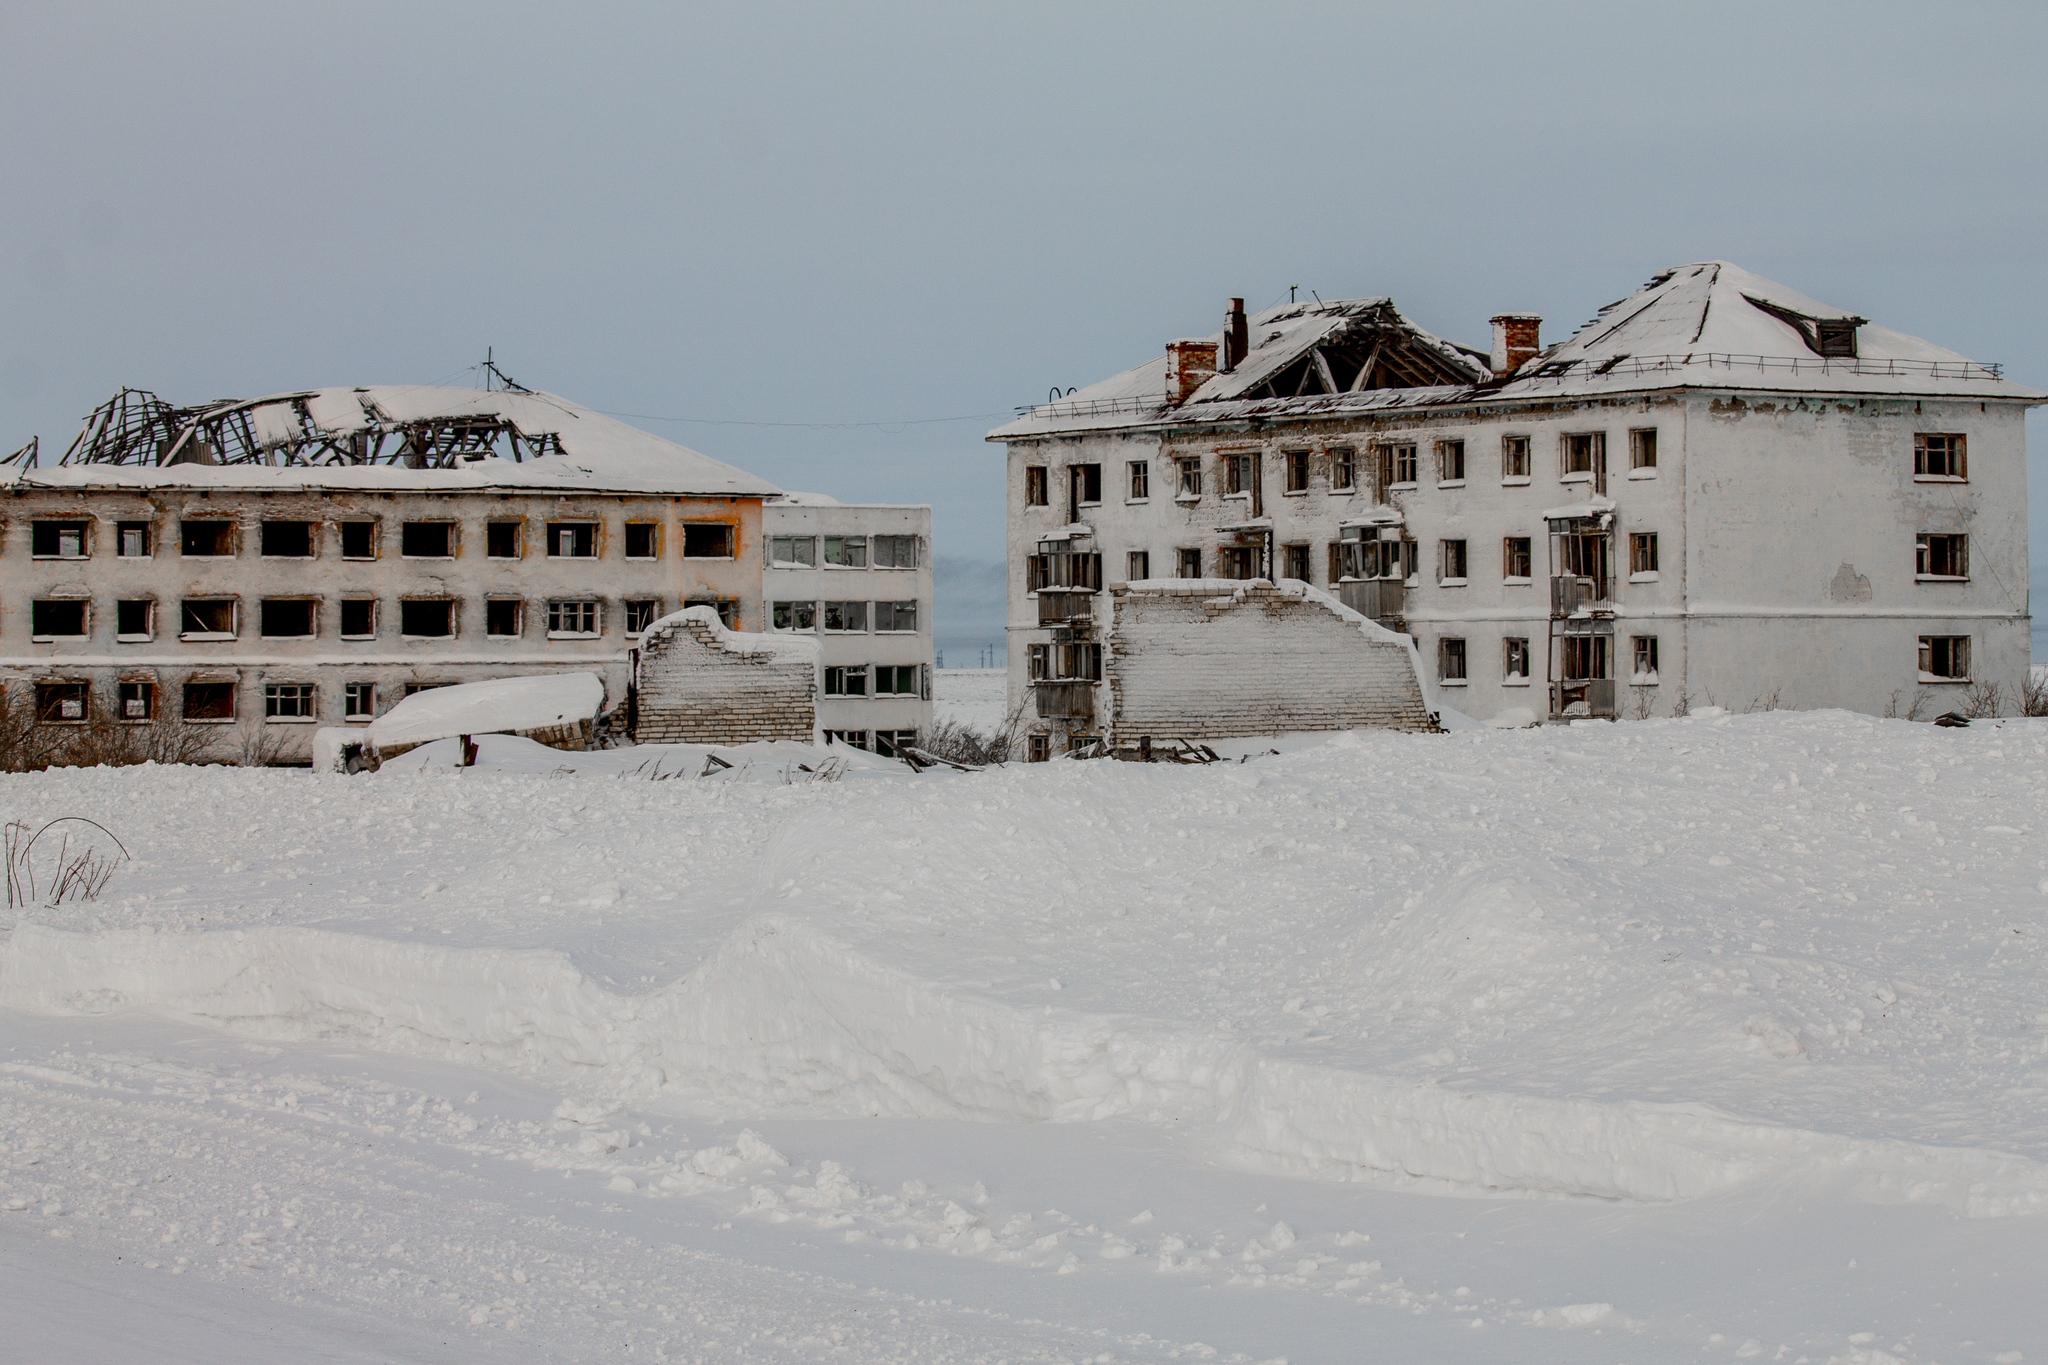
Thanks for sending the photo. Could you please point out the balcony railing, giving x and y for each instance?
(1064, 699)
(1381, 599)
(1059, 608)
(1570, 592)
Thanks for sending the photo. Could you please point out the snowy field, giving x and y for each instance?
(971, 696)
(1719, 1038)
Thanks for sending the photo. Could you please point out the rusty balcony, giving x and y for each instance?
(1064, 699)
(1062, 608)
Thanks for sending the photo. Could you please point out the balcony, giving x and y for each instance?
(1597, 695)
(1059, 608)
(1571, 593)
(1381, 599)
(1064, 699)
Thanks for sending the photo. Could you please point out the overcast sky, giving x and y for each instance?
(783, 221)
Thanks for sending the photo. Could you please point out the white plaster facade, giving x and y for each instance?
(872, 618)
(1787, 514)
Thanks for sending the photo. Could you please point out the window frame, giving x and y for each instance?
(233, 632)
(1642, 557)
(344, 604)
(588, 617)
(218, 686)
(1508, 552)
(1453, 661)
(454, 617)
(792, 609)
(123, 529)
(263, 526)
(1182, 555)
(652, 530)
(1596, 456)
(777, 543)
(1450, 463)
(1933, 646)
(350, 692)
(1294, 472)
(844, 542)
(634, 606)
(300, 694)
(842, 674)
(1513, 647)
(146, 693)
(1957, 453)
(56, 527)
(847, 609)
(896, 543)
(60, 691)
(341, 534)
(513, 529)
(1642, 442)
(1448, 558)
(1642, 649)
(44, 636)
(495, 603)
(1924, 558)
(580, 532)
(1035, 485)
(1515, 450)
(1137, 565)
(312, 609)
(1138, 480)
(1400, 464)
(1296, 555)
(1189, 483)
(895, 609)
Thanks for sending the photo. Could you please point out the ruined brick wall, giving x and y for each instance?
(702, 684)
(1209, 660)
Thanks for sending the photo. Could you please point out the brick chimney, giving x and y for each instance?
(1188, 366)
(1514, 341)
(1237, 336)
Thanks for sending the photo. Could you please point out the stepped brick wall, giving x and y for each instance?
(703, 684)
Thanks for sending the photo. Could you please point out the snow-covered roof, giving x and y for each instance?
(495, 706)
(597, 454)
(1706, 325)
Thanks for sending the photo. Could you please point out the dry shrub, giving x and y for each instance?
(958, 742)
(29, 744)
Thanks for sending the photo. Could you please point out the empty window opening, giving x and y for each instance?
(1643, 649)
(1451, 563)
(358, 618)
(431, 618)
(138, 701)
(643, 540)
(58, 540)
(285, 539)
(1642, 448)
(1450, 660)
(640, 614)
(707, 540)
(209, 701)
(61, 618)
(1240, 474)
(1038, 748)
(1343, 469)
(290, 701)
(895, 552)
(1294, 562)
(1034, 485)
(1514, 457)
(795, 615)
(850, 680)
(1584, 658)
(359, 701)
(1084, 484)
(898, 680)
(501, 540)
(207, 618)
(501, 617)
(286, 618)
(1450, 461)
(1942, 556)
(358, 539)
(896, 616)
(1138, 565)
(573, 617)
(1939, 455)
(572, 539)
(135, 619)
(846, 552)
(1190, 477)
(1190, 565)
(63, 703)
(206, 539)
(1515, 658)
(1038, 662)
(427, 540)
(1141, 480)
(134, 539)
(1516, 558)
(1297, 470)
(892, 743)
(727, 608)
(846, 616)
(852, 739)
(1237, 561)
(1584, 453)
(1944, 658)
(793, 552)
(1642, 552)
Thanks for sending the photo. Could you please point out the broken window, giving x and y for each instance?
(1944, 658)
(207, 618)
(207, 539)
(358, 540)
(895, 552)
(501, 617)
(1398, 464)
(796, 616)
(1939, 456)
(1085, 484)
(846, 616)
(427, 540)
(1190, 565)
(1515, 658)
(1063, 569)
(290, 701)
(1190, 477)
(1294, 562)
(358, 618)
(1038, 748)
(285, 539)
(59, 618)
(1642, 448)
(848, 681)
(1450, 568)
(1644, 650)
(900, 616)
(1514, 457)
(1138, 565)
(1583, 657)
(1239, 474)
(1450, 461)
(1942, 556)
(852, 739)
(209, 701)
(573, 617)
(135, 619)
(1642, 552)
(1141, 480)
(1038, 662)
(1516, 559)
(1034, 485)
(1450, 660)
(429, 618)
(1297, 471)
(501, 540)
(62, 703)
(640, 614)
(892, 743)
(1366, 555)
(566, 539)
(846, 552)
(1078, 661)
(1583, 452)
(897, 680)
(643, 540)
(793, 552)
(1237, 561)
(728, 610)
(133, 539)
(1343, 469)
(58, 540)
(138, 701)
(359, 701)
(286, 618)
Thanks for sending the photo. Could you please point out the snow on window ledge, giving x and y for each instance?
(1511, 581)
(1515, 680)
(1450, 582)
(1646, 576)
(1514, 481)
(1941, 578)
(1577, 476)
(1401, 487)
(1936, 678)
(1642, 680)
(1450, 682)
(552, 635)
(1294, 492)
(1939, 478)
(133, 639)
(1136, 502)
(1450, 483)
(1646, 472)
(1187, 497)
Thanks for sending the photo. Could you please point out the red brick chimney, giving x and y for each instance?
(1189, 364)
(1514, 341)
(1236, 336)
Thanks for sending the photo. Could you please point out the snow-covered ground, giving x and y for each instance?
(970, 696)
(1721, 1037)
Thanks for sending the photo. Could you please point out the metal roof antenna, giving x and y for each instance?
(1290, 292)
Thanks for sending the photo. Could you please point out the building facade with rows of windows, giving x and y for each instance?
(1717, 493)
(269, 594)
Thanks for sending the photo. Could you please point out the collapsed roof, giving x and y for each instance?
(383, 436)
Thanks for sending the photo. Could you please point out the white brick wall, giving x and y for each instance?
(700, 684)
(1251, 659)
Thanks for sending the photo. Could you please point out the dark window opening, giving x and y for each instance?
(428, 619)
(1034, 485)
(1038, 748)
(892, 743)
(1141, 480)
(359, 540)
(1237, 561)
(358, 701)
(209, 701)
(1085, 483)
(729, 610)
(286, 618)
(1939, 455)
(642, 540)
(1240, 472)
(1584, 452)
(640, 615)
(1451, 561)
(358, 618)
(60, 618)
(427, 540)
(707, 540)
(1343, 469)
(1297, 471)
(1138, 565)
(1189, 563)
(134, 539)
(1514, 457)
(138, 701)
(1945, 658)
(59, 540)
(794, 615)
(501, 616)
(1450, 660)
(63, 703)
(852, 739)
(206, 539)
(1642, 552)
(1516, 559)
(135, 619)
(1295, 563)
(849, 681)
(501, 540)
(286, 539)
(1642, 449)
(1584, 657)
(897, 680)
(1942, 556)
(214, 616)
(1450, 461)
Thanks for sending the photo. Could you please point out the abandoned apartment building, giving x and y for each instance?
(1719, 491)
(311, 558)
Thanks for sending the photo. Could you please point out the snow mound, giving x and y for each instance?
(496, 706)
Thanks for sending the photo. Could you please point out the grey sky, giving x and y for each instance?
(834, 214)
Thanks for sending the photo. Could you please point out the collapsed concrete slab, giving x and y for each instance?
(699, 683)
(557, 709)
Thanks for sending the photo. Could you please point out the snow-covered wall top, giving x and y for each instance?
(499, 706)
(599, 454)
